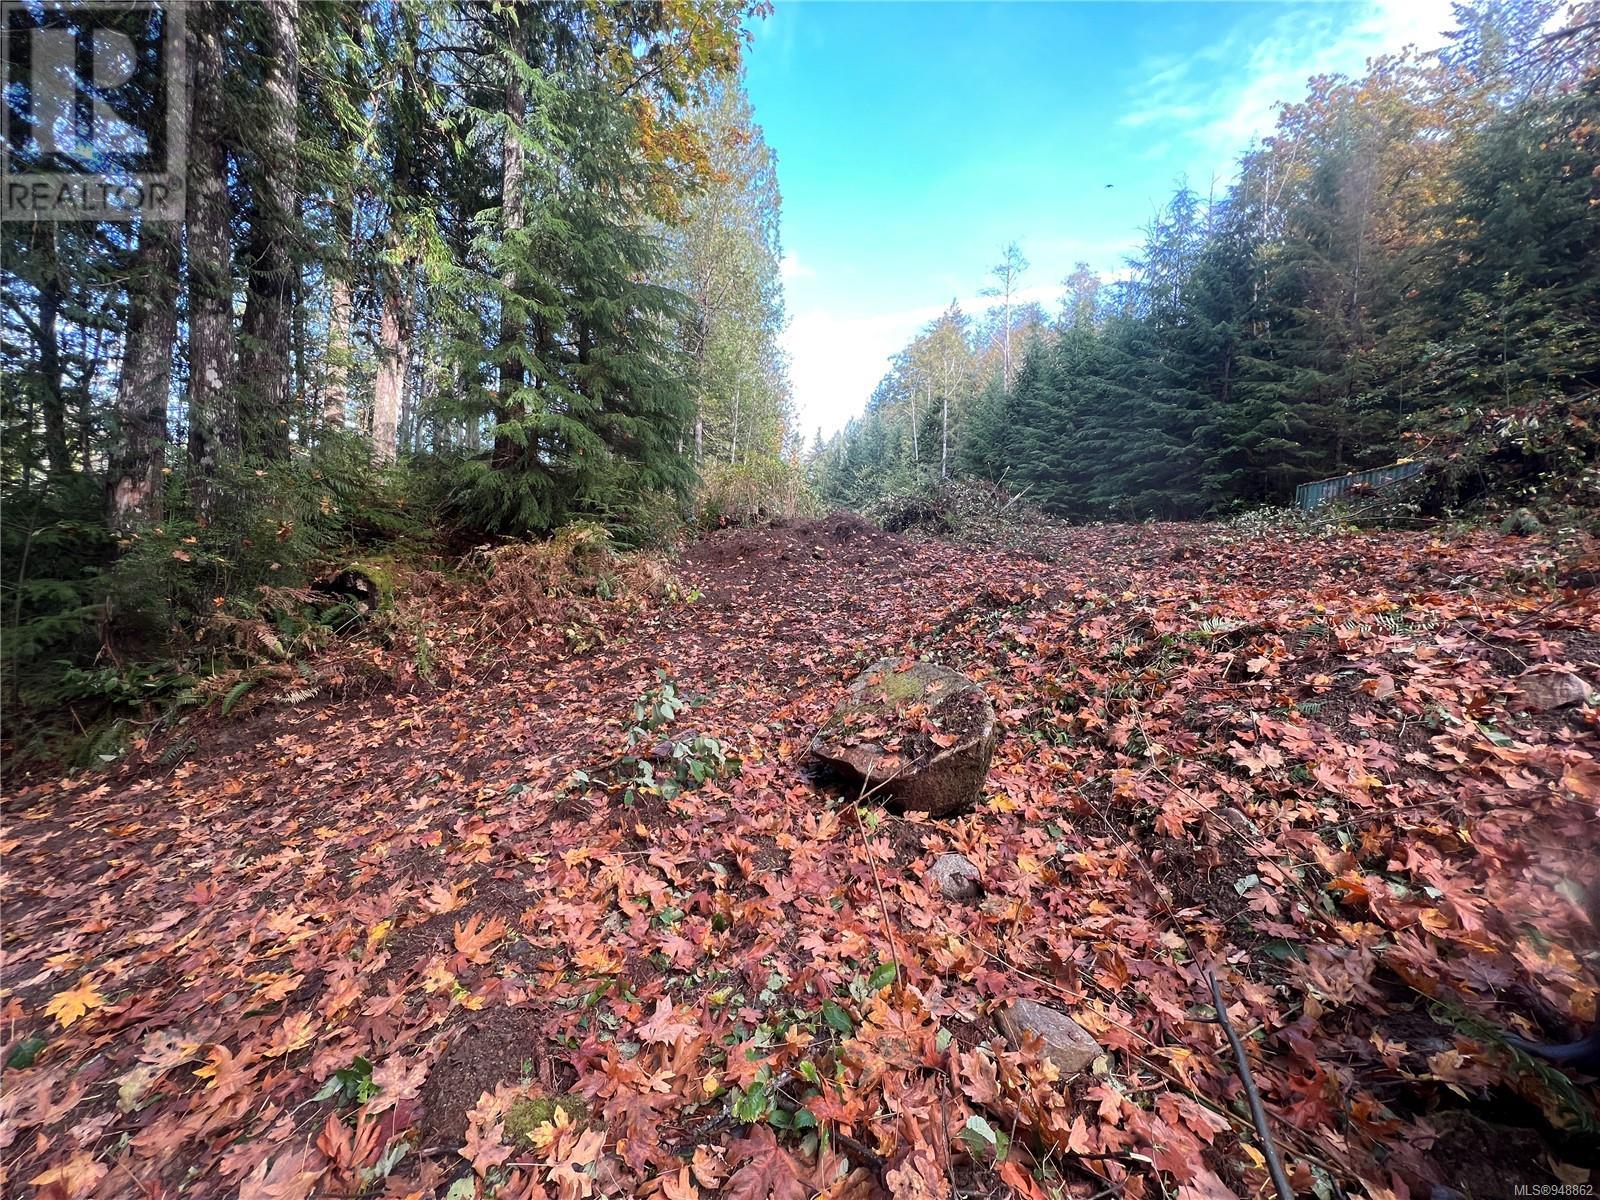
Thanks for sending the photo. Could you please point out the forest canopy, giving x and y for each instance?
(452, 272)
(460, 742)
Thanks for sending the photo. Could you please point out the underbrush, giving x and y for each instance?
(753, 493)
(968, 509)
(532, 585)
(1526, 464)
(657, 761)
(104, 634)
(317, 576)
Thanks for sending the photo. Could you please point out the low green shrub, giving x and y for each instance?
(101, 632)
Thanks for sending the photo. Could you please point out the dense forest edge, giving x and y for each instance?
(454, 276)
(1407, 268)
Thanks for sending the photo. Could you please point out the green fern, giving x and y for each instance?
(235, 694)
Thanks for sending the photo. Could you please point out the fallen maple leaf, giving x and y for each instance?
(709, 1169)
(1264, 757)
(292, 1176)
(765, 1169)
(474, 938)
(679, 1186)
(397, 1078)
(78, 1176)
(484, 1148)
(69, 1006)
(662, 1029)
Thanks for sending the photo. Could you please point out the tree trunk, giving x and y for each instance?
(916, 452)
(944, 448)
(1005, 367)
(474, 421)
(267, 327)
(336, 361)
(55, 398)
(213, 422)
(139, 420)
(394, 357)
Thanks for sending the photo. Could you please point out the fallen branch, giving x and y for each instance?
(1015, 498)
(1257, 1114)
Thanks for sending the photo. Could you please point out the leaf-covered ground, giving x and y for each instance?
(338, 950)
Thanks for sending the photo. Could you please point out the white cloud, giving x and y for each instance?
(1227, 93)
(791, 268)
(1206, 105)
(835, 361)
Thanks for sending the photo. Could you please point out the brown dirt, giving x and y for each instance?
(501, 1045)
(339, 817)
(1484, 1161)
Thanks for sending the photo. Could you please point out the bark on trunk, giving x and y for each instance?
(474, 421)
(269, 306)
(336, 368)
(213, 420)
(944, 447)
(916, 452)
(139, 420)
(394, 357)
(55, 397)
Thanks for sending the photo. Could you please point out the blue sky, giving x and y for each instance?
(915, 139)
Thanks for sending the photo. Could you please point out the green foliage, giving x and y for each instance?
(655, 710)
(672, 766)
(752, 492)
(984, 1142)
(350, 1086)
(442, 235)
(104, 629)
(24, 1053)
(55, 550)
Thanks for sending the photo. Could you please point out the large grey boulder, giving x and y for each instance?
(1066, 1043)
(914, 734)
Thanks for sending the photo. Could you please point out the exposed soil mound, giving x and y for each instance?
(503, 1045)
(840, 536)
(754, 562)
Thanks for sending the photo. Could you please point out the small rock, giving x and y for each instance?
(955, 877)
(1241, 823)
(1542, 691)
(1066, 1043)
(1581, 577)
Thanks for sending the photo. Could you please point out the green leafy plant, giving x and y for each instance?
(350, 1085)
